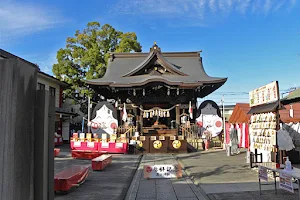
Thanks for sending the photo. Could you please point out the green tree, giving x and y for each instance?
(86, 55)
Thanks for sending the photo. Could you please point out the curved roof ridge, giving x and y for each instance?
(160, 57)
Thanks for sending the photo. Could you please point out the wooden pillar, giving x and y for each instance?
(18, 82)
(141, 119)
(44, 155)
(177, 117)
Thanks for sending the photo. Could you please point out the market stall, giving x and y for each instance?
(264, 122)
(85, 142)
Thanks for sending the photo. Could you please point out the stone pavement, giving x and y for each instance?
(112, 183)
(160, 189)
(227, 177)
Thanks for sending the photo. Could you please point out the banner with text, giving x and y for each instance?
(265, 94)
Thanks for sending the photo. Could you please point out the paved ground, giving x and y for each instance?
(217, 176)
(112, 183)
(160, 189)
(227, 177)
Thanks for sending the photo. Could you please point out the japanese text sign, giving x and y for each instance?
(262, 173)
(162, 171)
(286, 182)
(265, 94)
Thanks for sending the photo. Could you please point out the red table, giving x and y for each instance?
(72, 176)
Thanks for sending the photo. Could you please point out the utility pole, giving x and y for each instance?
(89, 113)
(224, 125)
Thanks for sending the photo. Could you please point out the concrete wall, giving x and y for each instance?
(49, 83)
(17, 100)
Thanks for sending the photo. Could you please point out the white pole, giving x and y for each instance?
(89, 110)
(224, 125)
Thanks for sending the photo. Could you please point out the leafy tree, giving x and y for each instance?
(86, 55)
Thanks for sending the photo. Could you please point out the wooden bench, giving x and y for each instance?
(56, 152)
(87, 154)
(70, 177)
(101, 162)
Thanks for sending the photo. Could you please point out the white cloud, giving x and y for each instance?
(267, 6)
(17, 18)
(198, 9)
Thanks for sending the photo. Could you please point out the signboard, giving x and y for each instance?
(75, 136)
(265, 94)
(262, 173)
(82, 136)
(142, 138)
(113, 136)
(172, 137)
(286, 182)
(90, 144)
(104, 145)
(162, 171)
(77, 144)
(134, 138)
(161, 137)
(89, 136)
(153, 137)
(119, 145)
(180, 137)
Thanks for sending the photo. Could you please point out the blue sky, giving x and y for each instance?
(252, 42)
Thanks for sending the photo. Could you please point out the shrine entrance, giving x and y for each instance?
(158, 92)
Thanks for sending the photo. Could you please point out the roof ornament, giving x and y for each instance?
(155, 47)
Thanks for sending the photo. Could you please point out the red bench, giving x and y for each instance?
(70, 177)
(101, 162)
(56, 152)
(87, 154)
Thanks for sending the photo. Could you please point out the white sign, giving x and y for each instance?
(81, 135)
(262, 173)
(286, 182)
(119, 145)
(105, 145)
(90, 144)
(265, 94)
(77, 144)
(162, 171)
